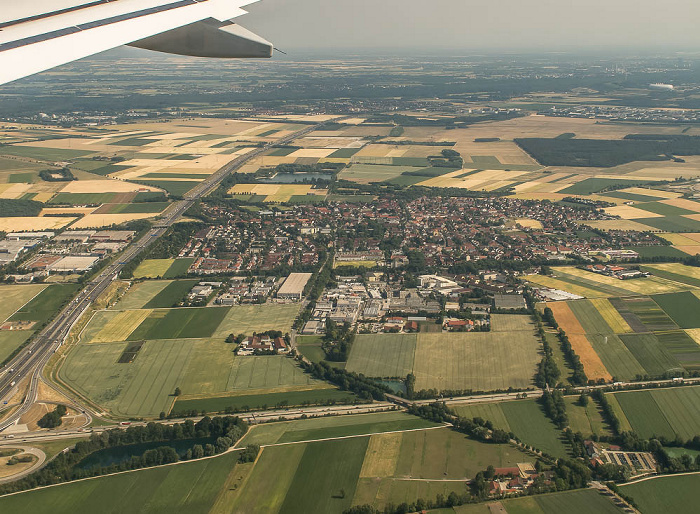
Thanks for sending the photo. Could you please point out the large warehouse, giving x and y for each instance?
(293, 287)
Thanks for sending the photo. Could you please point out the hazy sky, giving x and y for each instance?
(476, 24)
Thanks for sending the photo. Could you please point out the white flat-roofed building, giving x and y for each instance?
(16, 236)
(74, 264)
(293, 287)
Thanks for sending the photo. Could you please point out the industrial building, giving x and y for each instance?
(293, 287)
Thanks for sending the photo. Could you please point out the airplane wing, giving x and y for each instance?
(49, 33)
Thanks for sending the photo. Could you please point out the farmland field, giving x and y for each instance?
(664, 412)
(11, 340)
(153, 268)
(528, 422)
(44, 305)
(140, 293)
(480, 361)
(16, 296)
(683, 308)
(180, 323)
(582, 501)
(666, 494)
(587, 420)
(318, 396)
(171, 295)
(178, 268)
(334, 426)
(525, 419)
(650, 353)
(120, 326)
(246, 319)
(592, 363)
(201, 368)
(186, 488)
(383, 355)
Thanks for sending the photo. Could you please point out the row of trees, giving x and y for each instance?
(364, 387)
(579, 375)
(222, 431)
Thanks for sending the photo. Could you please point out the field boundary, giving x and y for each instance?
(687, 473)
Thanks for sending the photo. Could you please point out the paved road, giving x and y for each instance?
(32, 359)
(40, 459)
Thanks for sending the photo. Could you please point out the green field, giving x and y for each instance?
(186, 488)
(583, 501)
(682, 347)
(179, 268)
(174, 187)
(171, 295)
(376, 172)
(246, 319)
(616, 356)
(140, 293)
(683, 308)
(650, 314)
(588, 420)
(265, 401)
(43, 154)
(476, 360)
(663, 209)
(10, 340)
(16, 296)
(182, 323)
(595, 185)
(200, 368)
(143, 207)
(332, 426)
(480, 361)
(153, 268)
(310, 347)
(82, 198)
(383, 355)
(664, 412)
(525, 419)
(650, 353)
(671, 223)
(666, 494)
(46, 304)
(658, 251)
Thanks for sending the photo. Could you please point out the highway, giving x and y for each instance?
(32, 359)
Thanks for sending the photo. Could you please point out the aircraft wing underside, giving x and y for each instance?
(53, 32)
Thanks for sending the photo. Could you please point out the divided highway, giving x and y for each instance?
(32, 359)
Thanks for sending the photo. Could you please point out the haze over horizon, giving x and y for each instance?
(478, 25)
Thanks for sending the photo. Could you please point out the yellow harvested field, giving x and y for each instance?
(649, 285)
(695, 217)
(528, 223)
(627, 212)
(681, 239)
(690, 250)
(678, 269)
(120, 327)
(153, 268)
(619, 225)
(318, 153)
(106, 220)
(104, 186)
(53, 211)
(13, 191)
(611, 316)
(694, 333)
(382, 455)
(683, 204)
(551, 196)
(553, 283)
(276, 192)
(592, 365)
(666, 172)
(374, 151)
(650, 192)
(30, 224)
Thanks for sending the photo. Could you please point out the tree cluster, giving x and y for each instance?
(362, 386)
(555, 407)
(53, 419)
(222, 431)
